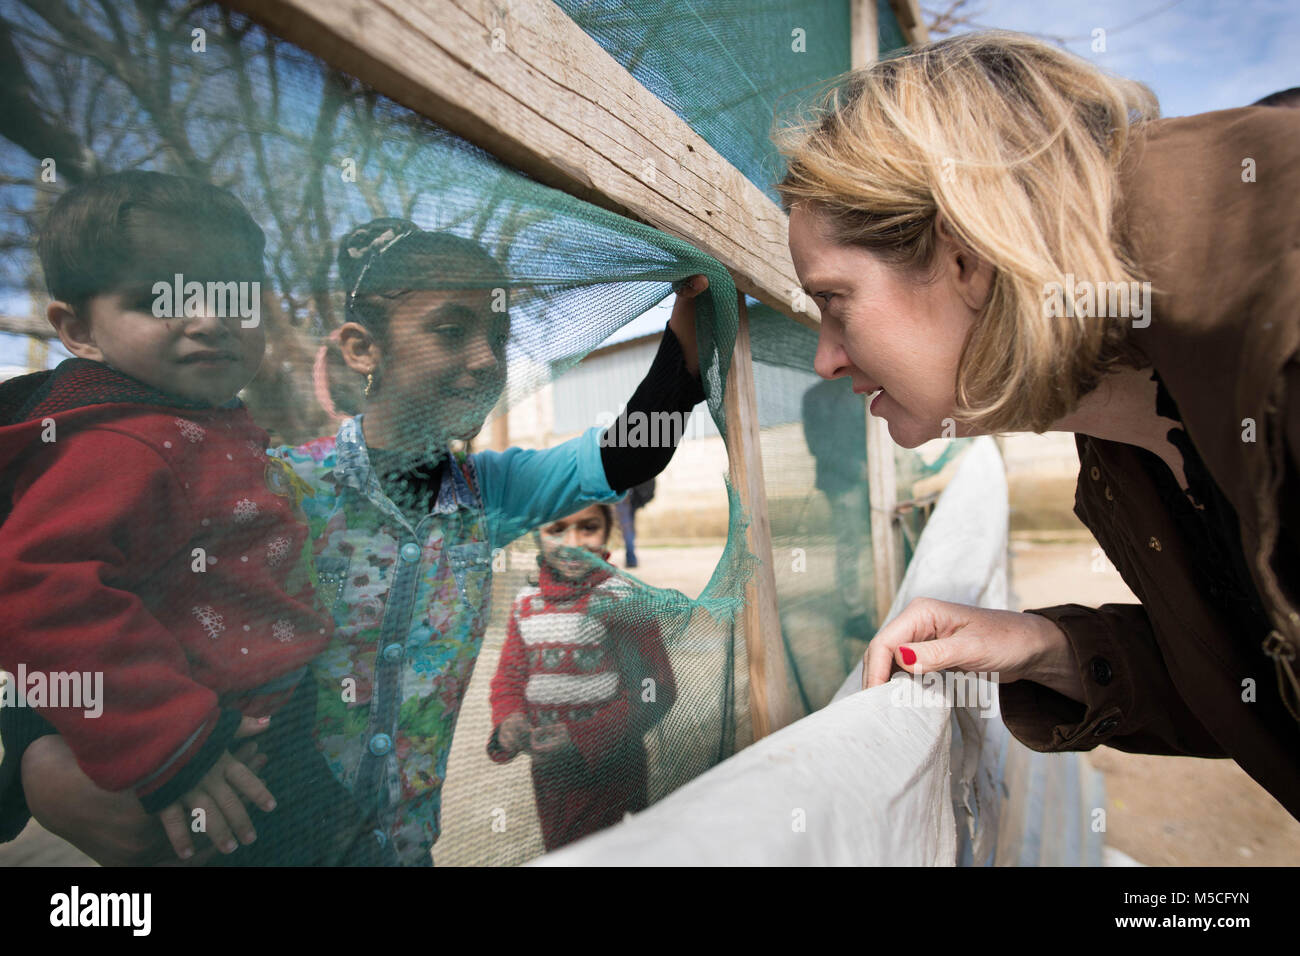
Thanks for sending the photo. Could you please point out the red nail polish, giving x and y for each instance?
(908, 655)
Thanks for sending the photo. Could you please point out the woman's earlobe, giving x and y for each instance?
(974, 279)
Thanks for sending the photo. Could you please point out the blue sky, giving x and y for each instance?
(1197, 55)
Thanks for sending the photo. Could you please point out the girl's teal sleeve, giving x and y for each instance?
(524, 488)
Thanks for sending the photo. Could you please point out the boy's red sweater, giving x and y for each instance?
(160, 547)
(578, 653)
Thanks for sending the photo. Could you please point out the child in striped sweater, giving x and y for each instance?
(580, 681)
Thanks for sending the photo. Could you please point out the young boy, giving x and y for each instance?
(149, 546)
(579, 683)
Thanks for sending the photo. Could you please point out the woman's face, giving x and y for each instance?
(887, 328)
(444, 361)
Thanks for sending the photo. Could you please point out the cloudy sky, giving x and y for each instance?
(1197, 55)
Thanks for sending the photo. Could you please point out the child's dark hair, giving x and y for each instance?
(95, 238)
(608, 512)
(387, 256)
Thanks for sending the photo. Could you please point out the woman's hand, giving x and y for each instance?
(682, 321)
(112, 828)
(932, 635)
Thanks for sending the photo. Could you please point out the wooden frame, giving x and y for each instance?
(525, 82)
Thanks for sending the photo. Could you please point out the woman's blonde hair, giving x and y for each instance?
(1017, 145)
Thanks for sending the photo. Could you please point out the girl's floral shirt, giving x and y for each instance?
(410, 606)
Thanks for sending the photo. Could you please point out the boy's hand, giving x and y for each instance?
(513, 733)
(220, 795)
(682, 321)
(548, 741)
(108, 826)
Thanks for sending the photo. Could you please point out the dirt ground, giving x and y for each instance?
(1163, 811)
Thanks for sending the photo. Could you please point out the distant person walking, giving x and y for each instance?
(626, 510)
(835, 428)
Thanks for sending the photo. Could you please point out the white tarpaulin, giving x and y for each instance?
(873, 778)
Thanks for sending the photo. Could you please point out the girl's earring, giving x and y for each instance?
(370, 383)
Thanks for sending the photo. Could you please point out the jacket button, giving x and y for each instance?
(1106, 726)
(1101, 671)
(1095, 472)
(1154, 543)
(393, 652)
(1109, 496)
(410, 552)
(380, 744)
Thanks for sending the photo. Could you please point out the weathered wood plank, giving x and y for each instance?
(770, 700)
(864, 32)
(911, 21)
(34, 326)
(524, 82)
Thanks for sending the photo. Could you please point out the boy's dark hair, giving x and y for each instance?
(388, 256)
(94, 238)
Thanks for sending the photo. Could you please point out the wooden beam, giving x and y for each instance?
(523, 81)
(770, 699)
(27, 325)
(864, 31)
(910, 19)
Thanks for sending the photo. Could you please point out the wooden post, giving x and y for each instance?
(501, 428)
(886, 546)
(864, 26)
(910, 21)
(882, 486)
(38, 353)
(769, 697)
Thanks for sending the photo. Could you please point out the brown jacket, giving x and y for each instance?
(1173, 675)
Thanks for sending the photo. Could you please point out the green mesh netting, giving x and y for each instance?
(483, 685)
(726, 66)
(814, 449)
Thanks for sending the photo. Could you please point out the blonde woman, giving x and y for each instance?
(1002, 238)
